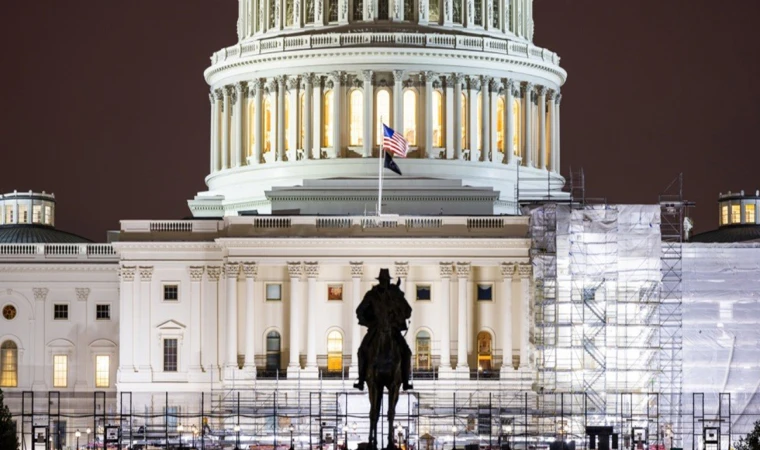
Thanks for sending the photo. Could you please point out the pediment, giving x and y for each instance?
(171, 325)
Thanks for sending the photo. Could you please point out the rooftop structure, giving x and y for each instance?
(737, 219)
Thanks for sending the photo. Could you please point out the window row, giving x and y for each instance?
(41, 214)
(734, 213)
(61, 311)
(422, 292)
(60, 364)
(265, 14)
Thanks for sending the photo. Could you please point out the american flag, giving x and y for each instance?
(395, 143)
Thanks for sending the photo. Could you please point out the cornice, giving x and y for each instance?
(172, 245)
(416, 242)
(42, 267)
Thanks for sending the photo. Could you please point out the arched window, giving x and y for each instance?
(484, 350)
(464, 119)
(287, 121)
(301, 122)
(273, 351)
(410, 116)
(516, 126)
(334, 351)
(8, 364)
(383, 113)
(422, 357)
(437, 119)
(327, 138)
(479, 121)
(500, 124)
(356, 115)
(268, 125)
(251, 127)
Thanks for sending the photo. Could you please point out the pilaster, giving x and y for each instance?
(357, 270)
(369, 101)
(308, 139)
(37, 326)
(463, 275)
(311, 269)
(250, 270)
(295, 271)
(196, 279)
(231, 270)
(524, 272)
(143, 356)
(209, 311)
(508, 271)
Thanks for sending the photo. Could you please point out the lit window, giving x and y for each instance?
(437, 118)
(464, 119)
(500, 124)
(335, 292)
(271, 9)
(23, 213)
(48, 215)
(410, 116)
(170, 355)
(433, 13)
(289, 13)
(479, 120)
(36, 213)
(327, 137)
(268, 124)
(356, 114)
(287, 121)
(332, 10)
(8, 213)
(9, 312)
(251, 127)
(724, 214)
(274, 292)
(103, 312)
(484, 350)
(334, 351)
(8, 364)
(60, 370)
(423, 292)
(749, 213)
(103, 371)
(273, 351)
(485, 292)
(516, 121)
(736, 214)
(422, 351)
(60, 312)
(309, 11)
(301, 122)
(383, 113)
(171, 292)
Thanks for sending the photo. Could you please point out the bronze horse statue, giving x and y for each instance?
(384, 356)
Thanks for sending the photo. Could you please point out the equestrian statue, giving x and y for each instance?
(384, 356)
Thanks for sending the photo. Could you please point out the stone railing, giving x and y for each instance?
(170, 226)
(78, 252)
(430, 40)
(389, 221)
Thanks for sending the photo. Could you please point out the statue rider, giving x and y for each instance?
(384, 298)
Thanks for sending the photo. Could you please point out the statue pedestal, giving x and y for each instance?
(310, 373)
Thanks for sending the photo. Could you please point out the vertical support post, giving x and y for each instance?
(368, 122)
(308, 125)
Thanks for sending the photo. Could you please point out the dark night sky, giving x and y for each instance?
(104, 102)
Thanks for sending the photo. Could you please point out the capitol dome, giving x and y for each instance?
(304, 92)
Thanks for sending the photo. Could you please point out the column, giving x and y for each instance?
(449, 130)
(357, 270)
(232, 270)
(398, 101)
(336, 117)
(317, 120)
(126, 319)
(428, 76)
(528, 124)
(258, 133)
(369, 106)
(226, 128)
(37, 327)
(280, 118)
(446, 270)
(142, 352)
(524, 272)
(293, 117)
(209, 335)
(509, 151)
(559, 136)
(308, 139)
(485, 119)
(250, 270)
(295, 270)
(493, 89)
(507, 272)
(238, 100)
(542, 127)
(196, 276)
(551, 111)
(472, 115)
(217, 130)
(312, 272)
(463, 275)
(213, 133)
(458, 119)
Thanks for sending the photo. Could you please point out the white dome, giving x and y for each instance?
(303, 94)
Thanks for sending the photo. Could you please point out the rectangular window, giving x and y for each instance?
(23, 213)
(335, 292)
(485, 292)
(60, 312)
(171, 292)
(36, 213)
(724, 215)
(48, 214)
(749, 213)
(423, 292)
(736, 214)
(102, 371)
(8, 213)
(274, 292)
(60, 370)
(170, 355)
(103, 312)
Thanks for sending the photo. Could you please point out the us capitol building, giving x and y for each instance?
(533, 315)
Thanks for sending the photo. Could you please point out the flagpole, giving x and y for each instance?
(380, 173)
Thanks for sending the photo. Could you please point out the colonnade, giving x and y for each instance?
(339, 115)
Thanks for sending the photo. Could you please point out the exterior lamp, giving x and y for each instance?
(88, 435)
(237, 436)
(454, 433)
(291, 428)
(195, 432)
(78, 434)
(180, 428)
